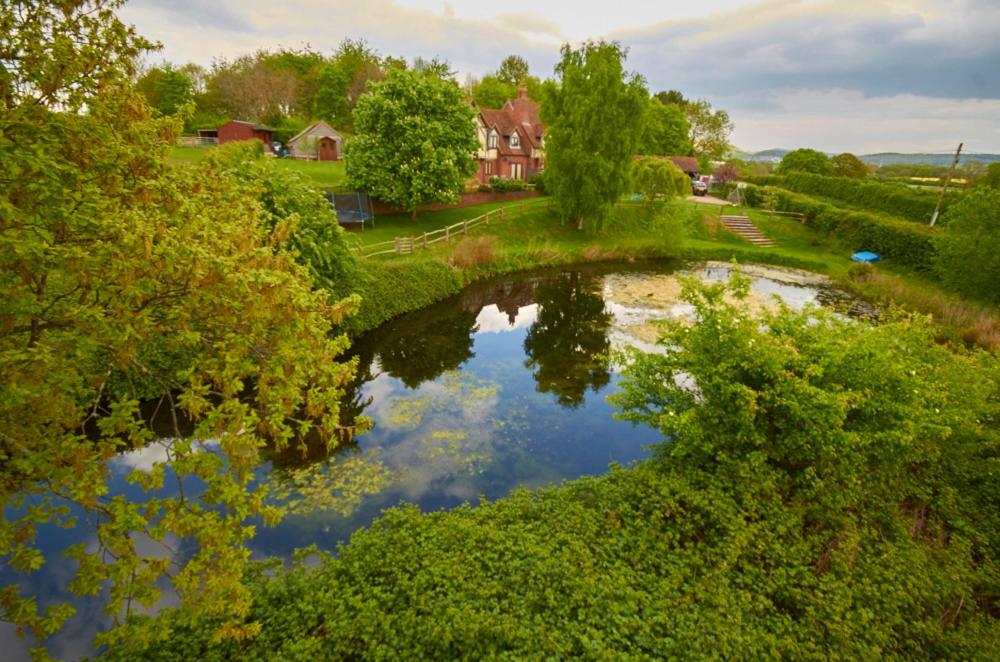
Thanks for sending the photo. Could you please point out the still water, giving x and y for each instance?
(502, 386)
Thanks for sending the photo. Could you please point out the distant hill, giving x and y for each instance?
(886, 158)
(882, 158)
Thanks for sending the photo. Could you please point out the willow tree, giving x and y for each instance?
(124, 281)
(593, 114)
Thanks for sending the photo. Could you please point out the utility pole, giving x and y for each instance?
(944, 187)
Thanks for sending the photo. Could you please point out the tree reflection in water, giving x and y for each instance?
(565, 344)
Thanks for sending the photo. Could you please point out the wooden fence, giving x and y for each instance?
(407, 245)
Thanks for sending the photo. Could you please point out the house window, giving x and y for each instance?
(515, 171)
(488, 168)
(493, 140)
(515, 140)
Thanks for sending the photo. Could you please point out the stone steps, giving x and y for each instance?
(744, 227)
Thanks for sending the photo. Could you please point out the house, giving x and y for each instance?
(319, 141)
(510, 139)
(238, 130)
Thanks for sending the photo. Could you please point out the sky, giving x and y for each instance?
(845, 75)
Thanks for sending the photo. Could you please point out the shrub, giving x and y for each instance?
(474, 251)
(484, 188)
(537, 180)
(860, 271)
(504, 185)
(968, 259)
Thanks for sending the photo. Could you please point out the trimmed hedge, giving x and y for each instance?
(903, 241)
(391, 288)
(893, 199)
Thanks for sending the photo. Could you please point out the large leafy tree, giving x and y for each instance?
(415, 140)
(166, 89)
(513, 70)
(123, 281)
(593, 124)
(968, 248)
(666, 130)
(342, 81)
(805, 160)
(710, 129)
(658, 179)
(848, 165)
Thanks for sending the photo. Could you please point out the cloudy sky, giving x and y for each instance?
(856, 75)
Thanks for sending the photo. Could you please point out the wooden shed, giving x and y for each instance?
(319, 141)
(238, 130)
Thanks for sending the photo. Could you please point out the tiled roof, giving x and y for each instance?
(519, 114)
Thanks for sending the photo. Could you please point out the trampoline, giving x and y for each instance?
(354, 208)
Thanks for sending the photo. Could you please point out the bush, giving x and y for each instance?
(484, 188)
(968, 259)
(537, 180)
(504, 185)
(805, 160)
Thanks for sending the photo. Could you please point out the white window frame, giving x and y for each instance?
(515, 140)
(488, 168)
(493, 140)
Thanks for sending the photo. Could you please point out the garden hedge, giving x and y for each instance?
(904, 241)
(893, 199)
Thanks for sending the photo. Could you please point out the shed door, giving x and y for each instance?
(328, 149)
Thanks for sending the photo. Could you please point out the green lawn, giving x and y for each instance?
(326, 174)
(401, 225)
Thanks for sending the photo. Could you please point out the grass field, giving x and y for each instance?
(325, 174)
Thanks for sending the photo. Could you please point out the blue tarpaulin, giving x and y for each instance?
(866, 256)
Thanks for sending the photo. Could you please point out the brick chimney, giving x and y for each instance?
(522, 91)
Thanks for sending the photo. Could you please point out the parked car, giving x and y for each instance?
(699, 187)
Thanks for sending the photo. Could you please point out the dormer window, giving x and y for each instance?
(515, 140)
(493, 140)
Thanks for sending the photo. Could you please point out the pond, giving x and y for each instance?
(502, 386)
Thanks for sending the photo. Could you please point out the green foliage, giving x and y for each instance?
(805, 160)
(415, 140)
(848, 165)
(292, 208)
(893, 199)
(391, 288)
(992, 176)
(513, 70)
(968, 259)
(121, 278)
(658, 179)
(710, 130)
(166, 89)
(828, 490)
(593, 119)
(491, 92)
(343, 80)
(907, 242)
(504, 185)
(666, 130)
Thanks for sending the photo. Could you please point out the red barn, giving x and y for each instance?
(237, 130)
(510, 139)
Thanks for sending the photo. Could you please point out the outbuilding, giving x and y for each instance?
(239, 130)
(319, 142)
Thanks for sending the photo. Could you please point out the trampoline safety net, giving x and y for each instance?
(352, 207)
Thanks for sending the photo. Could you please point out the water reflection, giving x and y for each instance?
(565, 344)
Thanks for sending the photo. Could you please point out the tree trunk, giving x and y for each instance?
(413, 214)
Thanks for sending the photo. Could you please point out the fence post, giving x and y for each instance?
(465, 227)
(447, 234)
(396, 243)
(425, 240)
(487, 219)
(501, 213)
